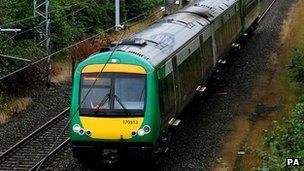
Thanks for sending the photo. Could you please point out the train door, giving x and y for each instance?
(167, 92)
(188, 72)
(207, 53)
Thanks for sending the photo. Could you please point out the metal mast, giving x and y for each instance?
(117, 14)
(42, 36)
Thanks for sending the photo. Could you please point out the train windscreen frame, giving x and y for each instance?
(113, 94)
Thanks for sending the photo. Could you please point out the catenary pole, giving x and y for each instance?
(117, 14)
(42, 36)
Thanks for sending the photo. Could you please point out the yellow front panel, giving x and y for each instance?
(124, 68)
(111, 128)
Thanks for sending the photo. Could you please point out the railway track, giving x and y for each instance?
(266, 10)
(28, 153)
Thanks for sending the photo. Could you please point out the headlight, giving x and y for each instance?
(141, 132)
(76, 128)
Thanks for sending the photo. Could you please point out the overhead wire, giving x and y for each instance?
(28, 65)
(32, 17)
(55, 53)
(70, 46)
(86, 95)
(18, 21)
(82, 101)
(52, 21)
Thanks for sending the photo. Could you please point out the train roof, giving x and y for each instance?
(157, 42)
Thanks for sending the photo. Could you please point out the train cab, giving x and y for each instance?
(112, 102)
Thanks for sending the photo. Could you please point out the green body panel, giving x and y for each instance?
(162, 72)
(152, 112)
(229, 31)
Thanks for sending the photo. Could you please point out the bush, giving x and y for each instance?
(89, 47)
(135, 7)
(83, 18)
(286, 141)
(297, 69)
(70, 20)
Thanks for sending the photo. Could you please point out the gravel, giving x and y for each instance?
(197, 142)
(45, 105)
(205, 122)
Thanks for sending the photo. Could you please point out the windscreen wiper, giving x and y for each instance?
(102, 102)
(124, 108)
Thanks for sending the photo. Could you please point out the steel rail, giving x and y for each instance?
(267, 10)
(53, 153)
(31, 138)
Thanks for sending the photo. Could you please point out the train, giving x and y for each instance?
(127, 98)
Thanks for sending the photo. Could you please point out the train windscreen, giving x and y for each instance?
(112, 94)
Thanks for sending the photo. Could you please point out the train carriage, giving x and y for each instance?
(128, 103)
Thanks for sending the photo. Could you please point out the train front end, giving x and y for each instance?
(114, 107)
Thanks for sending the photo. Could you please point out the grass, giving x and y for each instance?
(62, 70)
(274, 88)
(12, 106)
(292, 39)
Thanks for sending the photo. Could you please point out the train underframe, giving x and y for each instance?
(112, 152)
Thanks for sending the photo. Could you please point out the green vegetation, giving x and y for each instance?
(297, 68)
(71, 21)
(286, 140)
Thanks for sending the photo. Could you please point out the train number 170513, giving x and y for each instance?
(130, 122)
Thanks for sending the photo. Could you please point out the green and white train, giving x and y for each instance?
(151, 77)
